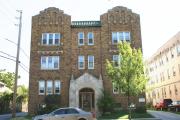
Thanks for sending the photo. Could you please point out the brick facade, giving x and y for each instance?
(53, 20)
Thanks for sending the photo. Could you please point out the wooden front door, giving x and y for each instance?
(86, 99)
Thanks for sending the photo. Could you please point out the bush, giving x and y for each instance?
(52, 102)
(105, 103)
(141, 109)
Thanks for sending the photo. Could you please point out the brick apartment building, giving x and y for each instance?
(68, 57)
(164, 72)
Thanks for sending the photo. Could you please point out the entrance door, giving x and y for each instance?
(86, 99)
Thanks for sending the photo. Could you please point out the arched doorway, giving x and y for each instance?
(86, 99)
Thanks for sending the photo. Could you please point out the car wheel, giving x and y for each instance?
(82, 119)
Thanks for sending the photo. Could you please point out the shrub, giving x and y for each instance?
(105, 103)
(141, 109)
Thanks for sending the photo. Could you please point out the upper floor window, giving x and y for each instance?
(50, 38)
(80, 38)
(81, 62)
(90, 62)
(41, 87)
(116, 60)
(115, 88)
(57, 87)
(50, 62)
(174, 71)
(120, 36)
(178, 49)
(49, 87)
(90, 38)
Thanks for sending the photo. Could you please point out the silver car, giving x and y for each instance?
(66, 114)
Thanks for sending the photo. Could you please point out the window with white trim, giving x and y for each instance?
(57, 87)
(90, 62)
(116, 60)
(41, 87)
(115, 88)
(80, 38)
(90, 38)
(81, 62)
(120, 36)
(51, 38)
(49, 87)
(49, 62)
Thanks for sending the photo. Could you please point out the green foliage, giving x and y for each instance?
(7, 78)
(52, 102)
(105, 102)
(5, 100)
(130, 70)
(22, 92)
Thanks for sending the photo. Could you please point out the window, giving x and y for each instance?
(41, 87)
(115, 88)
(59, 112)
(168, 73)
(71, 111)
(80, 38)
(116, 60)
(175, 90)
(90, 62)
(49, 62)
(178, 49)
(49, 87)
(120, 36)
(90, 38)
(50, 38)
(174, 72)
(81, 62)
(172, 53)
(57, 87)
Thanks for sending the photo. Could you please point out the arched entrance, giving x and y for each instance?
(86, 99)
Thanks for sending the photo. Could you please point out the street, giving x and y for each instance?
(8, 116)
(164, 115)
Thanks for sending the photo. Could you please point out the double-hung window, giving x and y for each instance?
(80, 38)
(49, 88)
(120, 36)
(50, 39)
(116, 60)
(90, 62)
(41, 87)
(115, 88)
(90, 38)
(81, 62)
(57, 87)
(49, 62)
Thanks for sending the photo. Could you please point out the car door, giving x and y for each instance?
(58, 115)
(71, 114)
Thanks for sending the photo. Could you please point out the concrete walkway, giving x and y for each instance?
(9, 116)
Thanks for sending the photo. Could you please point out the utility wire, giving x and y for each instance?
(7, 54)
(15, 61)
(24, 65)
(16, 45)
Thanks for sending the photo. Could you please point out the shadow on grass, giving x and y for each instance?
(23, 118)
(124, 115)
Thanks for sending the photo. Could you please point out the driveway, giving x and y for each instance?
(8, 116)
(164, 115)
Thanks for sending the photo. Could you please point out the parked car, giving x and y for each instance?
(70, 113)
(174, 106)
(163, 104)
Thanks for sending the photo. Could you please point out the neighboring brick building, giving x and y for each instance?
(68, 57)
(164, 72)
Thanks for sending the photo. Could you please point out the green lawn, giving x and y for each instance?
(124, 115)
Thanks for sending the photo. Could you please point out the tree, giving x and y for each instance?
(129, 74)
(130, 70)
(22, 92)
(7, 78)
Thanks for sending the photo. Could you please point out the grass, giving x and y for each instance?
(23, 118)
(124, 115)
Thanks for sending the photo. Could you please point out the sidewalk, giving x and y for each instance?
(8, 116)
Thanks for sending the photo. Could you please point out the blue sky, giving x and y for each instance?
(159, 22)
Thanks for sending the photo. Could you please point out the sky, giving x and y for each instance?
(159, 22)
